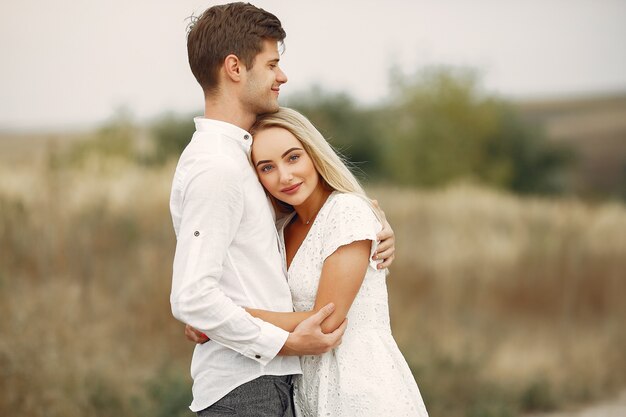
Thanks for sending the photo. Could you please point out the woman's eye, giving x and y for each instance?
(294, 157)
(266, 168)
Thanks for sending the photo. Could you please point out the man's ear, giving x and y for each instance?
(233, 68)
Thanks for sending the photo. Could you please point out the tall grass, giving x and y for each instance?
(505, 305)
(501, 305)
(84, 282)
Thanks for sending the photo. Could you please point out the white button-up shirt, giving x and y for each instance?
(227, 257)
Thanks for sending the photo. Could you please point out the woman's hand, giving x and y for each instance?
(386, 248)
(194, 335)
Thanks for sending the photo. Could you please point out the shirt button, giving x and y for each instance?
(246, 137)
(196, 233)
(257, 356)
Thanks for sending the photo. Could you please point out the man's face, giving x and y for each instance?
(263, 81)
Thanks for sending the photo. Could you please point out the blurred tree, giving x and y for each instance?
(170, 134)
(351, 129)
(115, 139)
(440, 126)
(437, 126)
(536, 164)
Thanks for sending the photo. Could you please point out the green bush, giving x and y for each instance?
(440, 127)
(170, 134)
(169, 394)
(538, 397)
(117, 139)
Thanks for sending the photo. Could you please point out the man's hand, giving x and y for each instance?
(386, 248)
(308, 338)
(194, 335)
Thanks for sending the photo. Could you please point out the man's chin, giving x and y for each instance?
(274, 108)
(268, 109)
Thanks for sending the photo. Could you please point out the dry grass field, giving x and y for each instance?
(502, 305)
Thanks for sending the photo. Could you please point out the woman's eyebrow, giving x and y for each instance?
(282, 156)
(289, 150)
(262, 162)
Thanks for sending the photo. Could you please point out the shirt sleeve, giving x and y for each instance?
(350, 219)
(212, 209)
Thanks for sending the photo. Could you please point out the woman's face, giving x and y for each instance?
(284, 168)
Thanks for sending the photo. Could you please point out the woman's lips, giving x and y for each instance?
(291, 190)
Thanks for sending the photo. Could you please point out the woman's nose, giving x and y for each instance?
(286, 176)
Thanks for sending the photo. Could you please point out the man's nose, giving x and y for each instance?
(281, 76)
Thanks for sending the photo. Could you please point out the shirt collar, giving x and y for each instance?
(242, 137)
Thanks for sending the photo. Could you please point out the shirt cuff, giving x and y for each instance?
(270, 341)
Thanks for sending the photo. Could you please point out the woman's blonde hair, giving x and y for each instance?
(331, 166)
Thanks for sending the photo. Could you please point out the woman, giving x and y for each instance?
(328, 237)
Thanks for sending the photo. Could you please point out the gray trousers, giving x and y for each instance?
(266, 396)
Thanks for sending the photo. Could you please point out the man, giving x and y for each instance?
(227, 252)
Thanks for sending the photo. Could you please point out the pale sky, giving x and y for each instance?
(71, 63)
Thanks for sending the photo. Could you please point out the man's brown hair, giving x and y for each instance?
(234, 28)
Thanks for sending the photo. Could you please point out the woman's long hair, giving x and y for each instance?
(331, 167)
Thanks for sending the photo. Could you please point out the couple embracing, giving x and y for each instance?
(279, 271)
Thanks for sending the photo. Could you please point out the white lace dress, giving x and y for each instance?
(366, 375)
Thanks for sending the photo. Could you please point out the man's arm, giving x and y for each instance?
(306, 337)
(211, 207)
(387, 246)
(211, 212)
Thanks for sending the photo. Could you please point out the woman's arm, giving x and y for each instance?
(342, 275)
